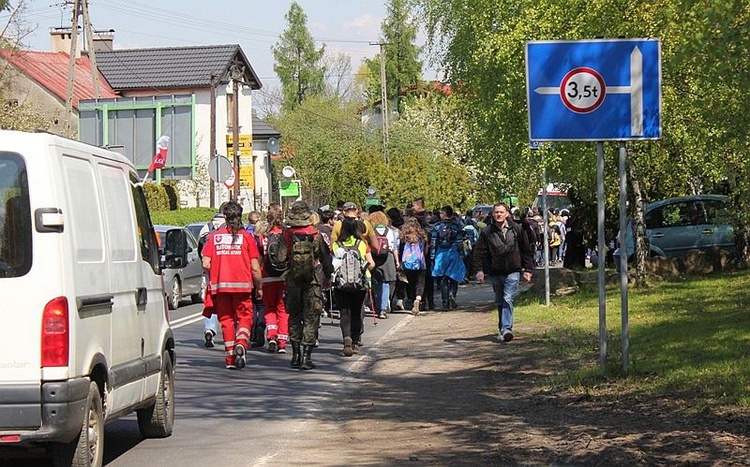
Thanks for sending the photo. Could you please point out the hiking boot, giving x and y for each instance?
(272, 346)
(209, 337)
(348, 351)
(239, 356)
(307, 363)
(452, 302)
(415, 307)
(296, 356)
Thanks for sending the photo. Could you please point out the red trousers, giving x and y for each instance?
(277, 319)
(231, 307)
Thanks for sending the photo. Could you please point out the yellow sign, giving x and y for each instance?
(244, 145)
(247, 177)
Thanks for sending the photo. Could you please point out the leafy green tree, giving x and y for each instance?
(402, 65)
(298, 63)
(481, 46)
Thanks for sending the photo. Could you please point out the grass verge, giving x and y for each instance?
(687, 339)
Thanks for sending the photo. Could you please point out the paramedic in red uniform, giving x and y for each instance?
(231, 258)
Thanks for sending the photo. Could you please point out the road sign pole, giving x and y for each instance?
(624, 256)
(602, 256)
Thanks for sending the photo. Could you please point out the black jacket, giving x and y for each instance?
(498, 257)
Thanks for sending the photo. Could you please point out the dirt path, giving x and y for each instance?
(440, 390)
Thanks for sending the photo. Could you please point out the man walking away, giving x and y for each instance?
(304, 293)
(446, 245)
(503, 253)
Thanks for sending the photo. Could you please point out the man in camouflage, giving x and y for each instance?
(304, 294)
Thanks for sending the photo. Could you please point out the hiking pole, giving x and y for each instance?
(372, 308)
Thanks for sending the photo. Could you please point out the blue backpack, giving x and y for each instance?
(412, 259)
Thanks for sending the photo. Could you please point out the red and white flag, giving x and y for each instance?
(160, 158)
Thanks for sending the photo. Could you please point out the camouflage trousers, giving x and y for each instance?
(304, 303)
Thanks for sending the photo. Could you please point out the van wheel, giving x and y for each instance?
(174, 301)
(88, 447)
(198, 297)
(157, 421)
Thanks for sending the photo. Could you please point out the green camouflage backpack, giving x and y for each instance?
(302, 262)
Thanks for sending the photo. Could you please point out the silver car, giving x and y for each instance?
(183, 271)
(675, 226)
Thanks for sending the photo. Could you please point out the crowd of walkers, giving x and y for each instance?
(270, 281)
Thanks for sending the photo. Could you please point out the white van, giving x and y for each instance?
(87, 338)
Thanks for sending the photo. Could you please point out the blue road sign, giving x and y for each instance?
(595, 90)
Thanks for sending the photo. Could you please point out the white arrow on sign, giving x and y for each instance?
(635, 90)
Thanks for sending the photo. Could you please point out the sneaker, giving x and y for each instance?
(239, 356)
(415, 308)
(382, 315)
(399, 304)
(507, 336)
(209, 337)
(281, 350)
(452, 302)
(500, 336)
(272, 346)
(231, 367)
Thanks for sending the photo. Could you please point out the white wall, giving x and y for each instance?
(203, 144)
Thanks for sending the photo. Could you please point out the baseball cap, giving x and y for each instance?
(349, 206)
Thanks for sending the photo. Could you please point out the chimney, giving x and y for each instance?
(103, 40)
(60, 39)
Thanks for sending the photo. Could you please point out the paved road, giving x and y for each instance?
(246, 417)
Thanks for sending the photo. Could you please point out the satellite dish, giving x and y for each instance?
(272, 146)
(288, 171)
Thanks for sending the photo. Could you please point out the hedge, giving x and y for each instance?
(182, 216)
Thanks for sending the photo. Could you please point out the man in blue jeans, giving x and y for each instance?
(504, 255)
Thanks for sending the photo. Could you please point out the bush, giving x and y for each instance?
(182, 216)
(156, 196)
(173, 194)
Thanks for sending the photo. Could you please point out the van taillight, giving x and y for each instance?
(55, 333)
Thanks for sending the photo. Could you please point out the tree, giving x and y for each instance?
(402, 64)
(297, 61)
(705, 124)
(338, 78)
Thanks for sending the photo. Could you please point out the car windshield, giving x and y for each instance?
(15, 217)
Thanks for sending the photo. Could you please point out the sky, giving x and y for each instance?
(343, 25)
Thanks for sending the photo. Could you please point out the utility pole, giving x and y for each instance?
(90, 44)
(80, 8)
(383, 98)
(212, 137)
(236, 72)
(71, 70)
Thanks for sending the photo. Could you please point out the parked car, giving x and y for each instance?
(183, 271)
(675, 226)
(195, 228)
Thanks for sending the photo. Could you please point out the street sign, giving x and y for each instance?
(595, 90)
(219, 168)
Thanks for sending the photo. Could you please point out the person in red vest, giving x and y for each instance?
(231, 259)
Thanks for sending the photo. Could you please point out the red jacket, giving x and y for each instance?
(230, 261)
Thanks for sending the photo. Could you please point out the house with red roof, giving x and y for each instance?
(41, 78)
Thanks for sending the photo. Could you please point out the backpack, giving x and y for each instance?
(446, 235)
(380, 254)
(412, 259)
(348, 273)
(275, 259)
(302, 265)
